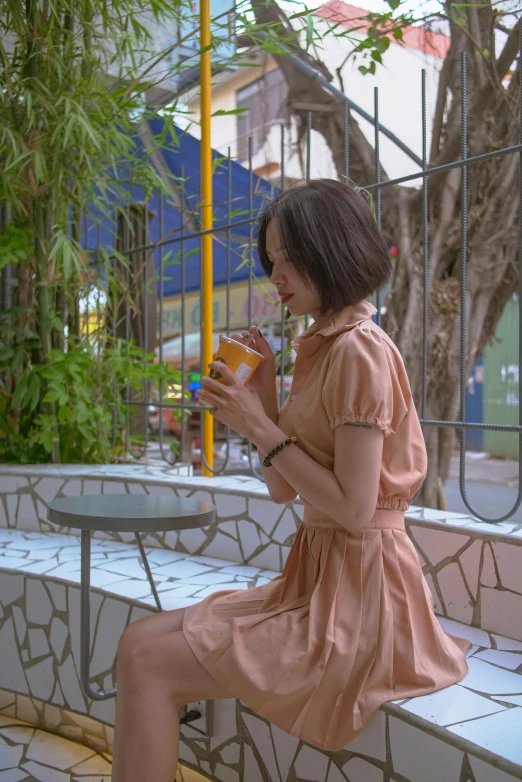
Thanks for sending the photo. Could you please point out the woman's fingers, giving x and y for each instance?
(224, 371)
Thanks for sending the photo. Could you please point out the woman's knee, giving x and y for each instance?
(149, 627)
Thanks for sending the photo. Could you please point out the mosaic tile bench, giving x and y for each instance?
(471, 732)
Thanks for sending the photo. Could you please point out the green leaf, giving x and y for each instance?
(309, 30)
(20, 390)
(51, 396)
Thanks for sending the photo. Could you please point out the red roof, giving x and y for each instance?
(419, 38)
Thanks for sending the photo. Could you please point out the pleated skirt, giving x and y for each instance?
(348, 626)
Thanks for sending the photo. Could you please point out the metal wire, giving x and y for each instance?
(425, 248)
(346, 132)
(464, 162)
(378, 302)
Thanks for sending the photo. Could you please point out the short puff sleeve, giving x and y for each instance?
(364, 382)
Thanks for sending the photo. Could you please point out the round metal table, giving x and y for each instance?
(120, 513)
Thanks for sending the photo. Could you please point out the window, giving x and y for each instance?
(265, 102)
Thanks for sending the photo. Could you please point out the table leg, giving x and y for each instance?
(85, 624)
(148, 571)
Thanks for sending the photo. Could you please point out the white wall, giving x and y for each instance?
(399, 84)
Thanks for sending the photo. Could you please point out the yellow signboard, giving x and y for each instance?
(262, 301)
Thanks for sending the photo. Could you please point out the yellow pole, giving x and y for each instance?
(205, 70)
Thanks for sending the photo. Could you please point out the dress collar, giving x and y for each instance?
(344, 320)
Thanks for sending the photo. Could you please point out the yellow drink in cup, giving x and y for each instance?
(240, 359)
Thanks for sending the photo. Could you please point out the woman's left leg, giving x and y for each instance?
(156, 677)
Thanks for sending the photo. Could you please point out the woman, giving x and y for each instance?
(350, 623)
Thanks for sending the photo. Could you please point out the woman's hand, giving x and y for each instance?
(233, 404)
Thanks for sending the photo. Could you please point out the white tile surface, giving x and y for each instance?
(285, 527)
(230, 527)
(60, 754)
(11, 587)
(131, 568)
(516, 700)
(260, 733)
(372, 740)
(229, 505)
(45, 774)
(419, 756)
(450, 705)
(224, 547)
(38, 643)
(182, 568)
(488, 576)
(334, 775)
(39, 608)
(252, 770)
(192, 539)
(58, 595)
(13, 775)
(48, 488)
(359, 770)
(41, 678)
(500, 733)
(27, 518)
(113, 618)
(241, 570)
(510, 660)
(249, 538)
(92, 765)
(10, 756)
(509, 562)
(437, 605)
(265, 513)
(470, 561)
(311, 764)
(473, 634)
(507, 644)
(484, 677)
(209, 578)
(268, 558)
(12, 677)
(501, 612)
(483, 772)
(454, 593)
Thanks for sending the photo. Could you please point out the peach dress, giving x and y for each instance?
(349, 624)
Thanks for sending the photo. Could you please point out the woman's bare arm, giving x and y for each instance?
(348, 494)
(280, 490)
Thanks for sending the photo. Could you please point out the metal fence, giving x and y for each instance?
(179, 236)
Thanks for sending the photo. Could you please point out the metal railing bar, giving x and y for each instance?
(472, 425)
(470, 161)
(283, 322)
(346, 140)
(378, 301)
(425, 215)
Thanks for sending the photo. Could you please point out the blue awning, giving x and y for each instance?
(99, 230)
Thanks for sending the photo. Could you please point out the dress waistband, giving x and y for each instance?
(383, 518)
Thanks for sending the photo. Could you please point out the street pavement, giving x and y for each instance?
(491, 486)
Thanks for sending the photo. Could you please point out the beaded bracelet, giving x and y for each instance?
(267, 461)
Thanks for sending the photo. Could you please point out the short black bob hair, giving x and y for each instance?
(330, 236)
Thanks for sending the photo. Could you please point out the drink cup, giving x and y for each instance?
(240, 359)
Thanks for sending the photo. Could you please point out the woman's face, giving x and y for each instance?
(298, 296)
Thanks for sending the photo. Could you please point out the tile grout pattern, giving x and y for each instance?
(474, 570)
(29, 754)
(39, 636)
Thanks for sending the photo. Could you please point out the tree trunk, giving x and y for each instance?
(492, 206)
